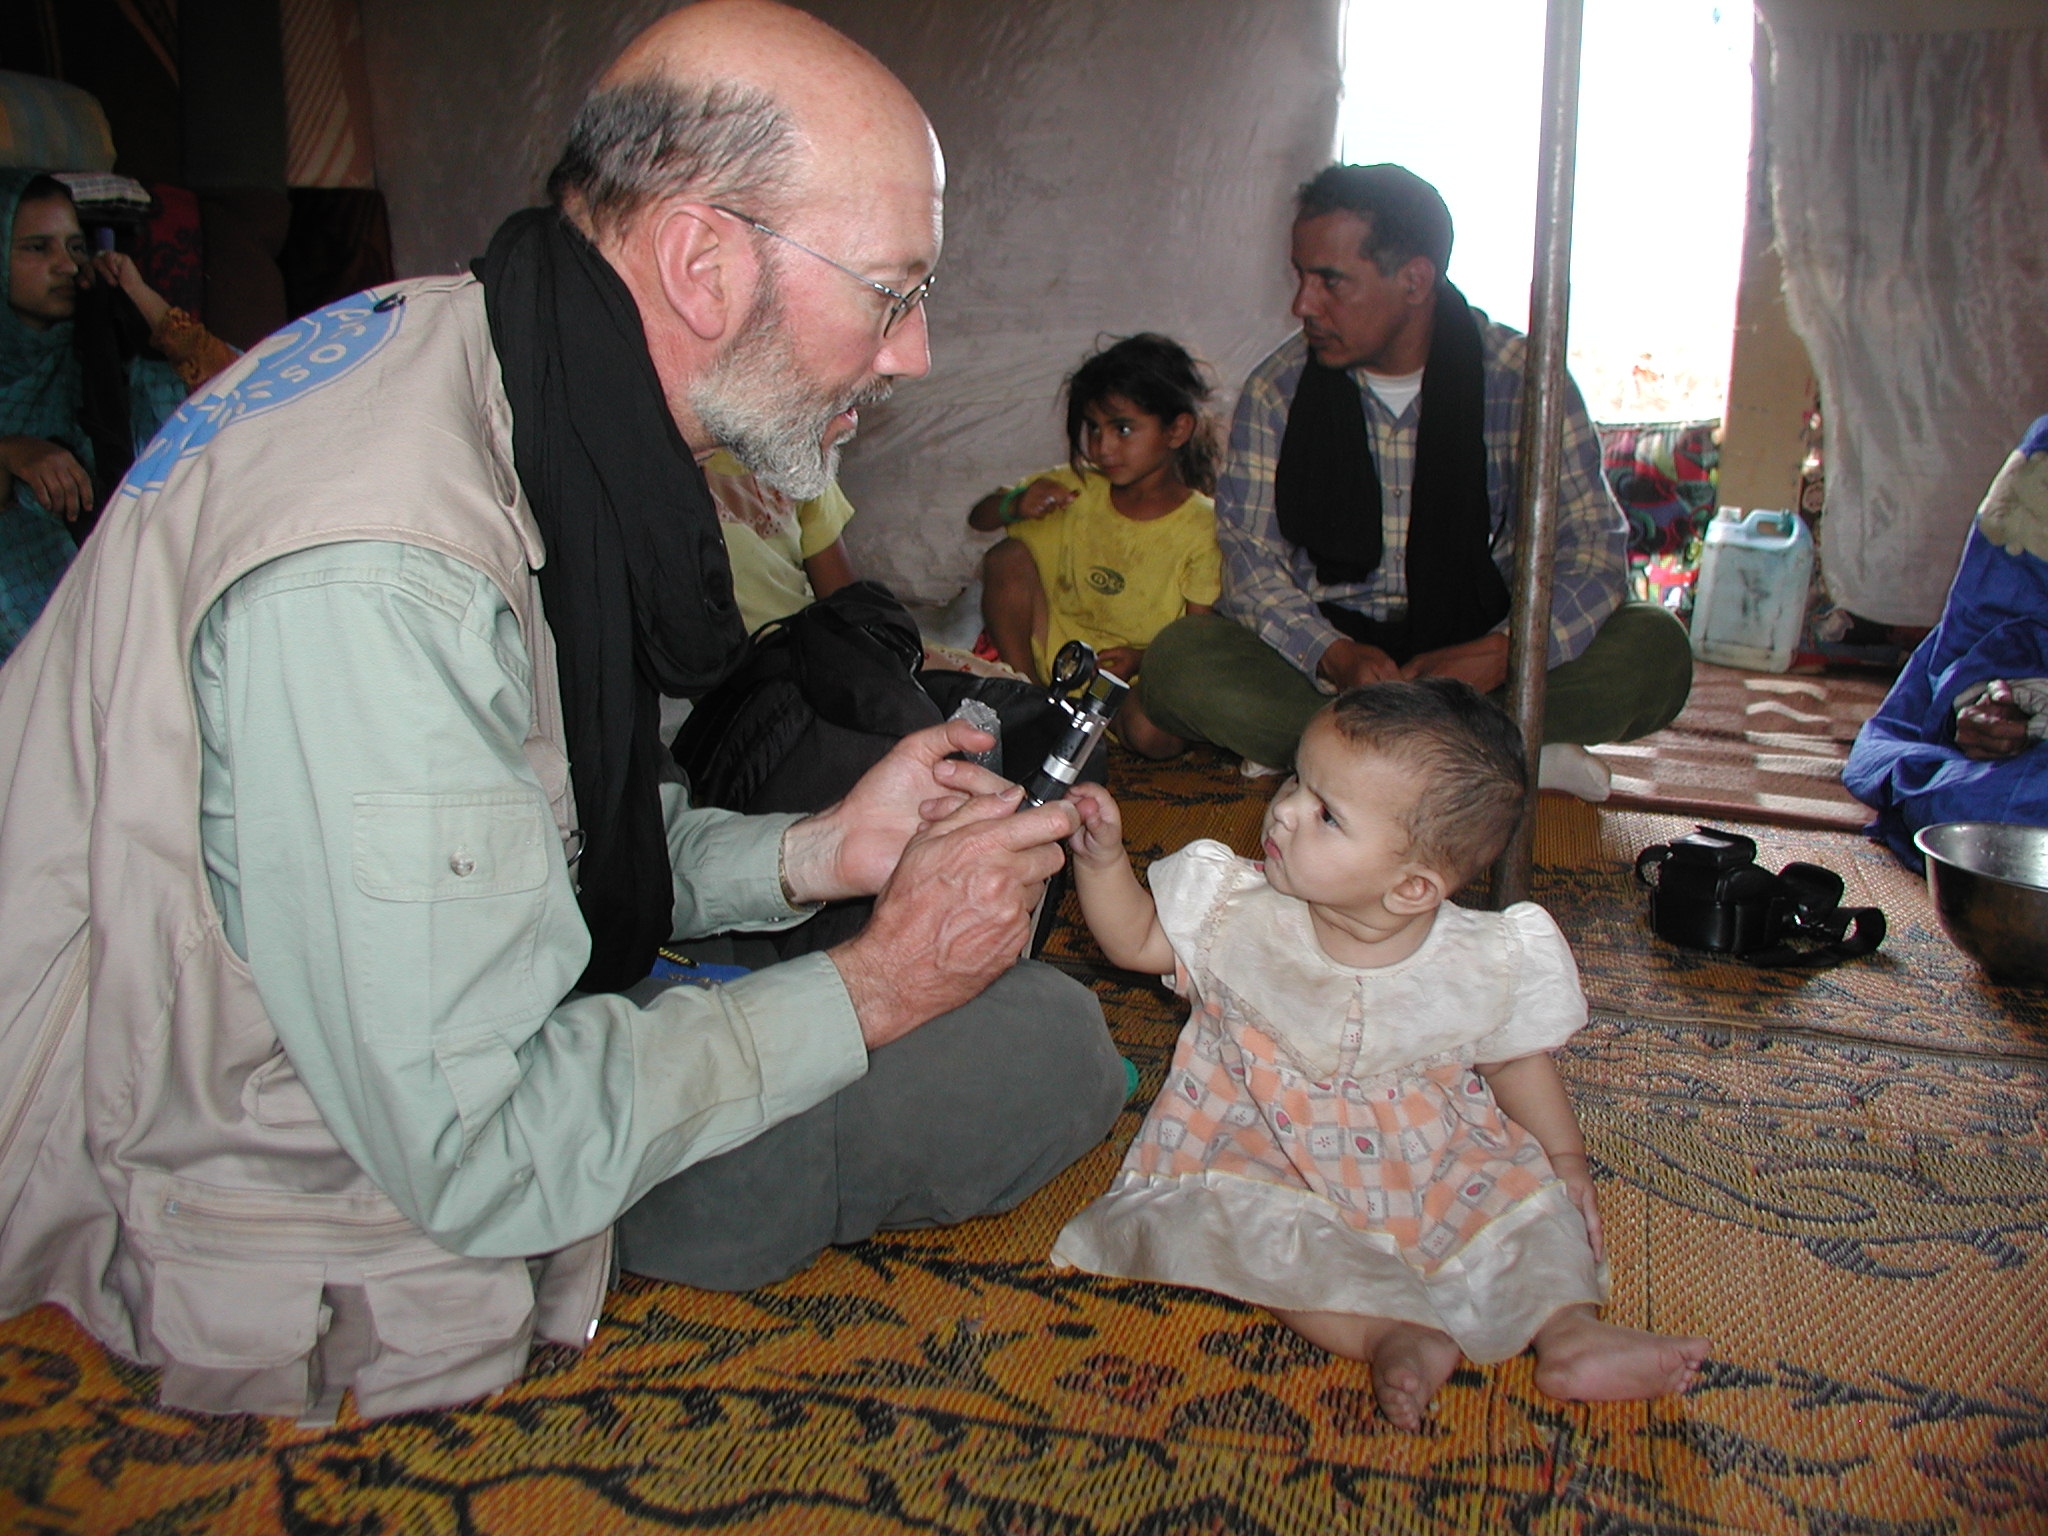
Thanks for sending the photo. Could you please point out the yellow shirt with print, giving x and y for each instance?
(1111, 581)
(768, 538)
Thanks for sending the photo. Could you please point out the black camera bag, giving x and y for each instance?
(1708, 892)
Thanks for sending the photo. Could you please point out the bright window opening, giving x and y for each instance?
(1453, 90)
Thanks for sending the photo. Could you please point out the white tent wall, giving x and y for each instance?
(1910, 145)
(1112, 167)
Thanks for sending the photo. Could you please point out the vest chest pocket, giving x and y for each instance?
(450, 847)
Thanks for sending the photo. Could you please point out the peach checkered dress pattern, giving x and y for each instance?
(1322, 1142)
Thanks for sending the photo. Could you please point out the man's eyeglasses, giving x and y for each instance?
(900, 304)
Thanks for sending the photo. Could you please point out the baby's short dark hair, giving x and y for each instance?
(1475, 775)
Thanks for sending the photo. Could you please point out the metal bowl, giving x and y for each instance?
(1989, 881)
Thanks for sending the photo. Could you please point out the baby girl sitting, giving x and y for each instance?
(1362, 1129)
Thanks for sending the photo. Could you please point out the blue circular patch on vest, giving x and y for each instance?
(306, 355)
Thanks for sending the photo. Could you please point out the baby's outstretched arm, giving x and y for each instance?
(1531, 1094)
(1119, 910)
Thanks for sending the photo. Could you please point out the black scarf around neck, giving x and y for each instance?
(637, 589)
(1326, 489)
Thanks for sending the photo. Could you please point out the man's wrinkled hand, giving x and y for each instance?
(955, 914)
(851, 848)
(1483, 663)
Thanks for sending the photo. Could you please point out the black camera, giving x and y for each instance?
(1708, 892)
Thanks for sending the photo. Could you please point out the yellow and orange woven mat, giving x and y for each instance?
(1839, 1176)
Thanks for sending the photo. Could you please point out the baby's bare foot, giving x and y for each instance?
(1408, 1365)
(1584, 1360)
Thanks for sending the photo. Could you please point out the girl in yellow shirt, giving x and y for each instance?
(1121, 541)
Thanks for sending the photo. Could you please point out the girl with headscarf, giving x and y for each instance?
(77, 397)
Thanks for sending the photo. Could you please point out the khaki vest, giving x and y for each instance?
(164, 1175)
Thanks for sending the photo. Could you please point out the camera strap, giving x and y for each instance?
(1811, 913)
(1844, 935)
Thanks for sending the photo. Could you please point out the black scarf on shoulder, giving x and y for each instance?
(636, 586)
(1326, 489)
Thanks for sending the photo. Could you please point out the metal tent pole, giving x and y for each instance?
(1542, 426)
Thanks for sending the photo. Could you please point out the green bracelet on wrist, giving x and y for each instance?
(1006, 509)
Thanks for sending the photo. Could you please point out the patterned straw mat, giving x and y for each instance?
(1755, 745)
(1839, 1176)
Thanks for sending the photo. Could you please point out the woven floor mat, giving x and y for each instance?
(1918, 990)
(1821, 1216)
(1760, 746)
(1860, 1224)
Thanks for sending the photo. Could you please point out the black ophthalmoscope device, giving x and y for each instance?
(1090, 698)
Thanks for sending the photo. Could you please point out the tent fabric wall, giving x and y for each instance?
(1912, 212)
(326, 95)
(1111, 168)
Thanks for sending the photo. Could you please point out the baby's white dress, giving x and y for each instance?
(1322, 1143)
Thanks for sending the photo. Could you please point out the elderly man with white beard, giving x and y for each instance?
(335, 841)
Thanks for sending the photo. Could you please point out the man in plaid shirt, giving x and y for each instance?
(1315, 602)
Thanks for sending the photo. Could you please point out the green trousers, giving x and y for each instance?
(1208, 678)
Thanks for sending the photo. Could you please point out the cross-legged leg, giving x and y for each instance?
(1584, 1360)
(1207, 678)
(1409, 1362)
(1134, 728)
(1013, 605)
(965, 1116)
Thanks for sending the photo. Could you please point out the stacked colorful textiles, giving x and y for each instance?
(1664, 475)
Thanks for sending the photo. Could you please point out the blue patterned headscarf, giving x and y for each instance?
(41, 388)
(40, 384)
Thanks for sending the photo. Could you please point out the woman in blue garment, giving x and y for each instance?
(1959, 737)
(77, 398)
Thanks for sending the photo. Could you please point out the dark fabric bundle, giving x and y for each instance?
(1326, 490)
(107, 330)
(636, 585)
(819, 698)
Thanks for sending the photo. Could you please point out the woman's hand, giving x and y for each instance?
(121, 271)
(49, 469)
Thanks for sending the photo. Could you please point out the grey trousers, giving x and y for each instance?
(965, 1116)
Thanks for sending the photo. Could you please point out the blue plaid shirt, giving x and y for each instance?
(1270, 585)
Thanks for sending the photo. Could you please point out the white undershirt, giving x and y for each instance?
(1395, 390)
